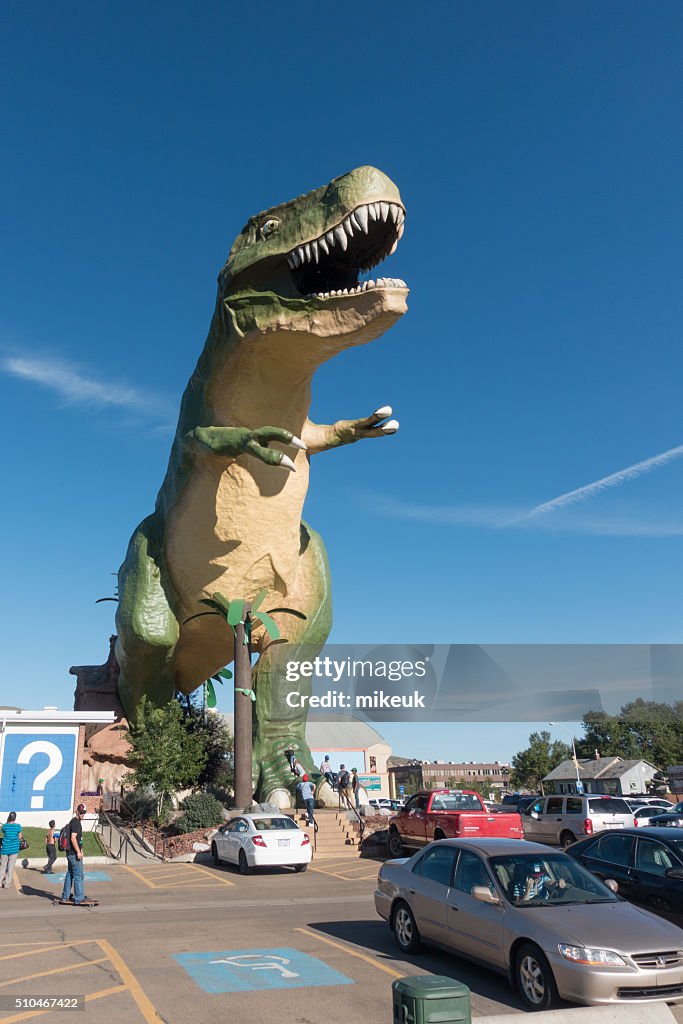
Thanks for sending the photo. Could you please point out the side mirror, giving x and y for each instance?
(533, 814)
(484, 894)
(611, 884)
(674, 873)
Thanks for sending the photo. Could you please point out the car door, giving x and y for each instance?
(610, 855)
(532, 820)
(224, 840)
(474, 928)
(649, 883)
(431, 880)
(234, 836)
(413, 821)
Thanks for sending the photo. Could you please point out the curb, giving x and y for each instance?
(36, 862)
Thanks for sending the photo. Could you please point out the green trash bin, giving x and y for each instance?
(430, 999)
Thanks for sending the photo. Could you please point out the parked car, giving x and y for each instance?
(481, 898)
(647, 864)
(446, 814)
(674, 817)
(517, 801)
(651, 801)
(644, 815)
(562, 820)
(261, 840)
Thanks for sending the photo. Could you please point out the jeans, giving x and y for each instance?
(7, 868)
(51, 851)
(74, 873)
(309, 810)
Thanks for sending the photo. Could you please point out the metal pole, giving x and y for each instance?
(576, 760)
(243, 718)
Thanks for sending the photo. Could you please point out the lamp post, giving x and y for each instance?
(579, 784)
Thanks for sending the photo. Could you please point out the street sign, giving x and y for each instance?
(401, 790)
(370, 782)
(579, 787)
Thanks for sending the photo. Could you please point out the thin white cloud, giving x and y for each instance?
(622, 476)
(638, 522)
(75, 386)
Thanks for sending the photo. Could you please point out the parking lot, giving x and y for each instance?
(190, 943)
(187, 942)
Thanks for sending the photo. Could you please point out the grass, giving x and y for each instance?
(92, 847)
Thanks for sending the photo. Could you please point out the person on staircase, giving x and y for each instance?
(306, 791)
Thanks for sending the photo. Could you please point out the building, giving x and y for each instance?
(415, 775)
(45, 766)
(351, 743)
(603, 775)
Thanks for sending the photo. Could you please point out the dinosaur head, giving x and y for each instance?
(296, 267)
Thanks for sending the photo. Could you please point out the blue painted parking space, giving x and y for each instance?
(245, 970)
(89, 876)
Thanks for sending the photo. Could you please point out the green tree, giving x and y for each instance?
(217, 738)
(483, 787)
(165, 756)
(643, 729)
(529, 766)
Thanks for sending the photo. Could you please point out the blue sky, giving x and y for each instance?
(538, 150)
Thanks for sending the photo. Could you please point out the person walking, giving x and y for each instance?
(50, 848)
(11, 838)
(307, 793)
(74, 858)
(355, 787)
(343, 783)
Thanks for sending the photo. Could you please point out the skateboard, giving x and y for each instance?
(84, 903)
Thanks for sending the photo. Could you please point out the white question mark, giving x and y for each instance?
(41, 780)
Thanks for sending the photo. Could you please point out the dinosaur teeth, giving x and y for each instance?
(291, 259)
(301, 253)
(340, 235)
(354, 221)
(314, 250)
(384, 210)
(324, 246)
(400, 230)
(348, 227)
(329, 238)
(307, 250)
(361, 217)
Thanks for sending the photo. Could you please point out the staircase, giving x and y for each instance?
(335, 838)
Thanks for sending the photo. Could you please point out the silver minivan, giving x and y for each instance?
(562, 819)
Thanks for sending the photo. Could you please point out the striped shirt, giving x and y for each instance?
(10, 837)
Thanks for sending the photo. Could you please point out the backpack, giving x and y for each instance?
(63, 841)
(344, 779)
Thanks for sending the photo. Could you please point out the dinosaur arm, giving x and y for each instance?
(320, 437)
(234, 441)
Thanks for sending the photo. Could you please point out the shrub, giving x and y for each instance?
(201, 811)
(143, 805)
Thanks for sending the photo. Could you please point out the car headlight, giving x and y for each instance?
(590, 956)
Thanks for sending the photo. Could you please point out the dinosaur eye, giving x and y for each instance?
(269, 226)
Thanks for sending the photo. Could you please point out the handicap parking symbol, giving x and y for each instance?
(245, 970)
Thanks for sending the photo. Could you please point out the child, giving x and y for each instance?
(50, 848)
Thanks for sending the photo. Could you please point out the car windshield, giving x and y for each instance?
(678, 808)
(552, 879)
(273, 824)
(456, 802)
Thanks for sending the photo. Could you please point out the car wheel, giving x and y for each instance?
(243, 864)
(214, 854)
(300, 867)
(395, 844)
(566, 839)
(438, 834)
(404, 928)
(534, 978)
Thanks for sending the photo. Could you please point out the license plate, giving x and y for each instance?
(283, 842)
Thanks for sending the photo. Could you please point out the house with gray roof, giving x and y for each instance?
(613, 775)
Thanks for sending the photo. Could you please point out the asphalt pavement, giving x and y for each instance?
(190, 943)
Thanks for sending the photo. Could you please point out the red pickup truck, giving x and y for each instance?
(447, 814)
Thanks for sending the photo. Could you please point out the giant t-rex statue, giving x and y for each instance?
(228, 515)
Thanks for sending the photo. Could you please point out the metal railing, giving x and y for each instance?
(119, 848)
(344, 801)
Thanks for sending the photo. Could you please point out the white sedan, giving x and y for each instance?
(261, 840)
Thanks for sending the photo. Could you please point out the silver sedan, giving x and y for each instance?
(535, 915)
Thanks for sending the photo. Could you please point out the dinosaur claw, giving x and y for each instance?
(287, 463)
(390, 427)
(382, 413)
(296, 442)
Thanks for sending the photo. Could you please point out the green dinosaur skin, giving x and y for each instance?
(228, 515)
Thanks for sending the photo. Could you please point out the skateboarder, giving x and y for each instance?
(74, 859)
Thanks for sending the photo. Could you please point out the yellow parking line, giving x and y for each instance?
(334, 863)
(137, 874)
(352, 952)
(46, 949)
(144, 1005)
(334, 874)
(358, 867)
(215, 875)
(55, 970)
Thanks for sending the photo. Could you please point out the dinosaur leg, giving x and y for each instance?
(147, 628)
(279, 727)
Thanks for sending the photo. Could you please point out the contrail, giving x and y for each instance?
(613, 480)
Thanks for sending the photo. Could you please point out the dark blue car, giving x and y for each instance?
(647, 864)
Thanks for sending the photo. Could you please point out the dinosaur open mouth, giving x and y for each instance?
(329, 265)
